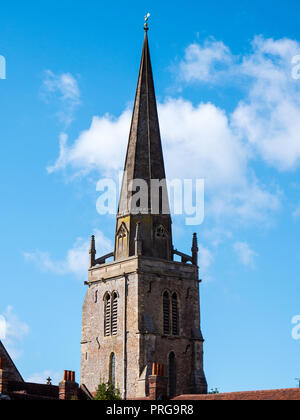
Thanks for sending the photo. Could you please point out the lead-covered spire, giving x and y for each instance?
(144, 166)
(144, 159)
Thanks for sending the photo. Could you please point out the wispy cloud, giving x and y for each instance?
(206, 62)
(268, 117)
(245, 254)
(206, 259)
(219, 147)
(62, 159)
(3, 327)
(296, 212)
(217, 235)
(77, 258)
(64, 89)
(12, 331)
(200, 135)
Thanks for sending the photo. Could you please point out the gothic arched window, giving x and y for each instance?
(122, 239)
(172, 374)
(114, 317)
(166, 313)
(175, 317)
(107, 315)
(112, 369)
(161, 242)
(110, 314)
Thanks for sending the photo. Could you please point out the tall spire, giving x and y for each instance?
(144, 161)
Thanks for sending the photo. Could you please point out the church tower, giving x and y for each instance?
(141, 314)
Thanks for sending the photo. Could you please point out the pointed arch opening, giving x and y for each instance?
(162, 242)
(172, 374)
(112, 369)
(122, 240)
(114, 314)
(107, 315)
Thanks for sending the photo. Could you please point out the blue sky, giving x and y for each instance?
(229, 109)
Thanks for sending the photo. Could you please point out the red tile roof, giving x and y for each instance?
(276, 394)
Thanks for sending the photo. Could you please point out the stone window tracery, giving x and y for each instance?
(170, 313)
(110, 314)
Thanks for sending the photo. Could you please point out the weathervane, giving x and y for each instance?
(146, 21)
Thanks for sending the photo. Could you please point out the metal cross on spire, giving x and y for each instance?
(146, 21)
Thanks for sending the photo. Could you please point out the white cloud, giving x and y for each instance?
(62, 159)
(77, 258)
(203, 141)
(200, 135)
(245, 254)
(268, 118)
(65, 84)
(101, 147)
(217, 236)
(206, 62)
(64, 88)
(12, 331)
(254, 203)
(205, 258)
(3, 327)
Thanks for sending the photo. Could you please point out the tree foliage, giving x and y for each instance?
(214, 391)
(107, 391)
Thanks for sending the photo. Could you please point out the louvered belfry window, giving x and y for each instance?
(166, 310)
(107, 316)
(111, 314)
(175, 321)
(114, 318)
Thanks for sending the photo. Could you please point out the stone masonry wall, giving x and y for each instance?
(96, 348)
(146, 279)
(155, 346)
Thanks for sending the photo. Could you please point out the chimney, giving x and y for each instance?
(68, 388)
(158, 383)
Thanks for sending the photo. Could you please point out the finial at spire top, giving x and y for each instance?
(146, 27)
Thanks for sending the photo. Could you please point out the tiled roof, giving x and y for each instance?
(276, 394)
(12, 372)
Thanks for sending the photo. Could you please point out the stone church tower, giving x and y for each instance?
(141, 314)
